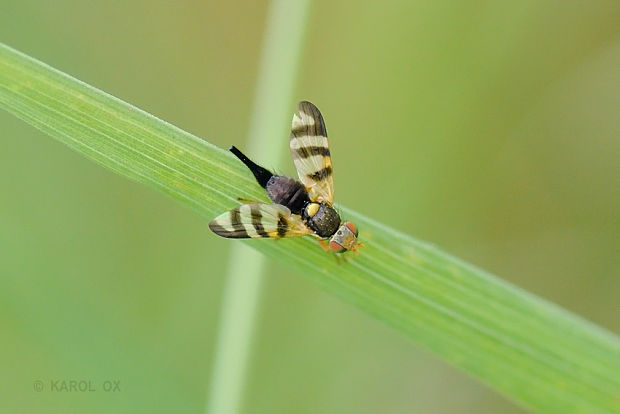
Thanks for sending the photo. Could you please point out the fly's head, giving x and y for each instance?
(345, 239)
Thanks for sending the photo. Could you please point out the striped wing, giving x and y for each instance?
(310, 151)
(259, 220)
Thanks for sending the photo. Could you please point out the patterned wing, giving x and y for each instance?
(310, 151)
(259, 220)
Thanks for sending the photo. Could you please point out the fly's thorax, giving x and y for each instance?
(344, 239)
(322, 218)
(287, 192)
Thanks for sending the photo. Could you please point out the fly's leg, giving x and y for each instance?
(323, 245)
(248, 200)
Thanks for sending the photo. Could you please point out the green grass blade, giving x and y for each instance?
(527, 348)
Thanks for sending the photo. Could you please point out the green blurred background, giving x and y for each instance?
(488, 128)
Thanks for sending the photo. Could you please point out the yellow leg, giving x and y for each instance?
(357, 247)
(323, 245)
(247, 200)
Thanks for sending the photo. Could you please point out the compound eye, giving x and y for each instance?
(336, 247)
(351, 227)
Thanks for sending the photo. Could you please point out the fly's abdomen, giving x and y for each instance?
(287, 192)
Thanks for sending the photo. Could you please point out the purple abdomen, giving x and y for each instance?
(288, 192)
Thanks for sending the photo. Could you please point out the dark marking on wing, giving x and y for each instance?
(299, 131)
(307, 152)
(321, 174)
(217, 229)
(319, 125)
(257, 222)
(237, 233)
(235, 217)
(304, 128)
(282, 225)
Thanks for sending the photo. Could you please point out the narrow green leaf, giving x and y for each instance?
(530, 350)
